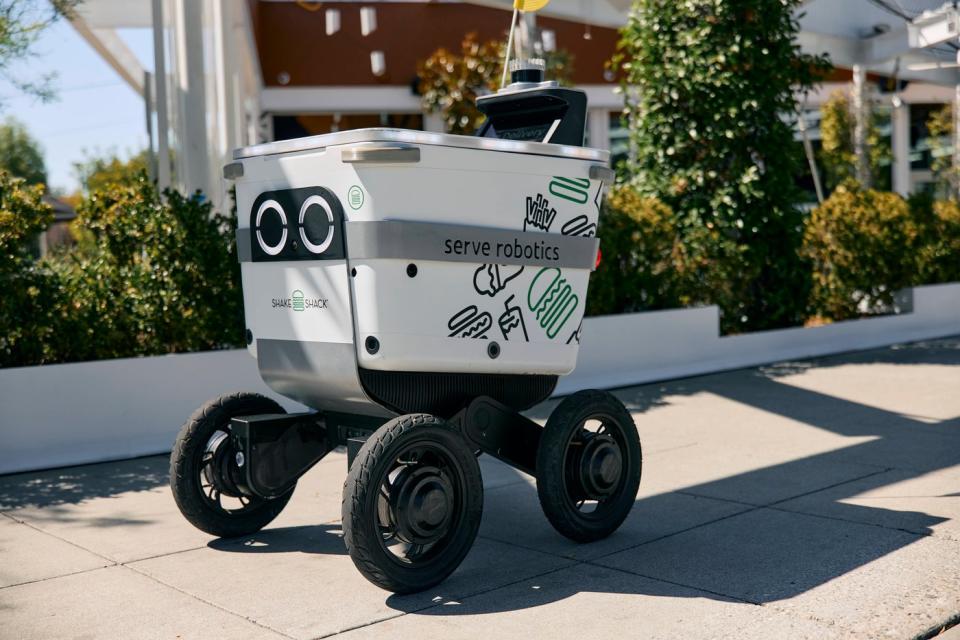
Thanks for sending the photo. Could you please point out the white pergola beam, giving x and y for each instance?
(886, 46)
(114, 52)
(877, 54)
(844, 52)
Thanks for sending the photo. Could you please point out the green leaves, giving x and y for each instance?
(153, 275)
(643, 266)
(710, 84)
(21, 24)
(20, 154)
(863, 246)
(450, 82)
(837, 150)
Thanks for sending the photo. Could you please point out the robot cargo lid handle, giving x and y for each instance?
(381, 154)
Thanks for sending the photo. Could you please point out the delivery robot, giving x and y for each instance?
(418, 291)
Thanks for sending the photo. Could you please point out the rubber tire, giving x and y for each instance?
(551, 485)
(185, 467)
(362, 487)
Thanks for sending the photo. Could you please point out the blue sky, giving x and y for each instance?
(95, 112)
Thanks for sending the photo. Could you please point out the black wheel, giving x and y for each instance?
(204, 471)
(412, 504)
(588, 466)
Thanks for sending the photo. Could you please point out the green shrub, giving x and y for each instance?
(153, 275)
(27, 291)
(940, 251)
(940, 127)
(837, 154)
(710, 86)
(643, 262)
(103, 173)
(449, 81)
(863, 246)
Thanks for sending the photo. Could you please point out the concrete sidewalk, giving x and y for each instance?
(803, 500)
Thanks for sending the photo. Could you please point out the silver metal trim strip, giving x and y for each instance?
(233, 171)
(404, 240)
(381, 154)
(244, 249)
(599, 172)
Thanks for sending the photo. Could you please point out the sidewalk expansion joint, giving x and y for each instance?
(677, 584)
(207, 602)
(62, 539)
(58, 576)
(750, 509)
(460, 599)
(920, 534)
(687, 491)
(363, 625)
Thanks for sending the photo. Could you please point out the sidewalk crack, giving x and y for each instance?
(207, 602)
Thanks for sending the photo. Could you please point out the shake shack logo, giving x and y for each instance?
(298, 302)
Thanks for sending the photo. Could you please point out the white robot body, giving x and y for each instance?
(395, 251)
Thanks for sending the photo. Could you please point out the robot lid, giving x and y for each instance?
(312, 143)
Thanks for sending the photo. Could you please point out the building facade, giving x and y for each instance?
(239, 72)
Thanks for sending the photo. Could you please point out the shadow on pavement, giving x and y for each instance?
(765, 553)
(325, 539)
(72, 485)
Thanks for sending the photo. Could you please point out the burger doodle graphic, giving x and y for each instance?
(552, 300)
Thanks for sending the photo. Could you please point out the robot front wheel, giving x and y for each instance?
(412, 503)
(204, 474)
(413, 498)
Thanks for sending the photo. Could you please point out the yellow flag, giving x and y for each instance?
(530, 5)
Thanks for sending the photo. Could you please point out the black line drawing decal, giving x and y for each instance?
(539, 213)
(579, 226)
(552, 299)
(598, 200)
(572, 189)
(491, 279)
(512, 318)
(575, 336)
(470, 323)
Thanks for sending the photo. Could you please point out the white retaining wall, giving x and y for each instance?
(59, 415)
(636, 348)
(63, 414)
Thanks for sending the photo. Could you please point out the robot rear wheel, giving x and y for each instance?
(589, 463)
(412, 503)
(205, 475)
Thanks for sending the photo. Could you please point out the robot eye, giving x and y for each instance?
(271, 224)
(316, 224)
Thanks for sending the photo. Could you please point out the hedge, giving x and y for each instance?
(151, 274)
(156, 274)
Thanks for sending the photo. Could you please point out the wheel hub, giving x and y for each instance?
(222, 472)
(600, 467)
(421, 504)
